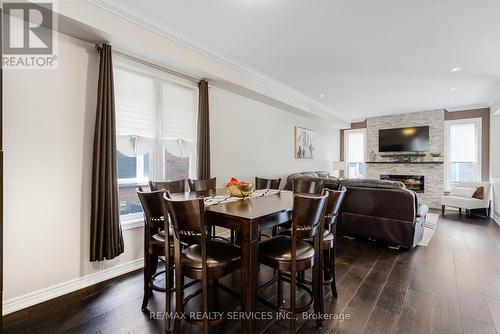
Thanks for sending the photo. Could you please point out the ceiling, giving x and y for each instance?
(360, 58)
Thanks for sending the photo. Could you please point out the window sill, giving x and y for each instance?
(132, 224)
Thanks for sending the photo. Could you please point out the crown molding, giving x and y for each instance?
(495, 106)
(150, 23)
(468, 107)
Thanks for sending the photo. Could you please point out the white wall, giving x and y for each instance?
(249, 139)
(49, 120)
(495, 161)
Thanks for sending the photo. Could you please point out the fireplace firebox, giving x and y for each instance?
(412, 182)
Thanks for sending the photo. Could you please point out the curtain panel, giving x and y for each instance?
(106, 239)
(203, 132)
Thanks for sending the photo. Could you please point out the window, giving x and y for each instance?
(463, 151)
(355, 143)
(156, 132)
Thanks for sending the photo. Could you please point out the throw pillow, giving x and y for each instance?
(462, 191)
(479, 193)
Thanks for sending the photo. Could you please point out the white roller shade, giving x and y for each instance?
(178, 112)
(463, 142)
(135, 104)
(355, 147)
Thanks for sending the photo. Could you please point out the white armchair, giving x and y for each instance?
(468, 203)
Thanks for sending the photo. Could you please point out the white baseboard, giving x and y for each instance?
(495, 218)
(36, 297)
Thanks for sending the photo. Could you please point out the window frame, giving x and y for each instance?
(157, 152)
(478, 123)
(346, 151)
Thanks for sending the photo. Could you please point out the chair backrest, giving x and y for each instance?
(307, 186)
(202, 185)
(153, 206)
(475, 184)
(178, 186)
(261, 183)
(308, 215)
(188, 219)
(333, 204)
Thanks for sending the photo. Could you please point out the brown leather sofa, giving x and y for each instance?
(329, 181)
(376, 209)
(382, 213)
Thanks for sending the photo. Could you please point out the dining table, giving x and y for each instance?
(248, 217)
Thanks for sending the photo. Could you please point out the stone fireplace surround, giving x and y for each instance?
(433, 172)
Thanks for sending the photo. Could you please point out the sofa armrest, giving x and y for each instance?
(422, 211)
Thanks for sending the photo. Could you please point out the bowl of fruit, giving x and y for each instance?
(238, 188)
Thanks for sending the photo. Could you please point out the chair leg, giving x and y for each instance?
(168, 283)
(279, 296)
(301, 276)
(443, 207)
(467, 213)
(326, 265)
(178, 299)
(216, 293)
(332, 271)
(293, 290)
(148, 273)
(460, 211)
(317, 287)
(210, 231)
(204, 284)
(171, 272)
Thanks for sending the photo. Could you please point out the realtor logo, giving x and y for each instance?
(28, 35)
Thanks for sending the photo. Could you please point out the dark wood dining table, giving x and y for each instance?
(248, 217)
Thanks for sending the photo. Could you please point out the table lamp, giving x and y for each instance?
(340, 167)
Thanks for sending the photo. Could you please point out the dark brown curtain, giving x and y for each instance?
(203, 132)
(106, 239)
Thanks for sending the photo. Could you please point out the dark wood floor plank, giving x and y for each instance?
(473, 326)
(494, 305)
(363, 302)
(446, 318)
(347, 288)
(386, 313)
(422, 272)
(473, 302)
(416, 313)
(451, 286)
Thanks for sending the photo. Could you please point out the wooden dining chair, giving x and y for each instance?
(155, 242)
(262, 183)
(290, 254)
(202, 185)
(178, 186)
(209, 185)
(205, 260)
(301, 186)
(307, 186)
(333, 204)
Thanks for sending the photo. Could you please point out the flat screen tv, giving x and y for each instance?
(415, 139)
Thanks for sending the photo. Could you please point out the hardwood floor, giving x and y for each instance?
(451, 286)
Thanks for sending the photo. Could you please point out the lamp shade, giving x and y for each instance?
(338, 165)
